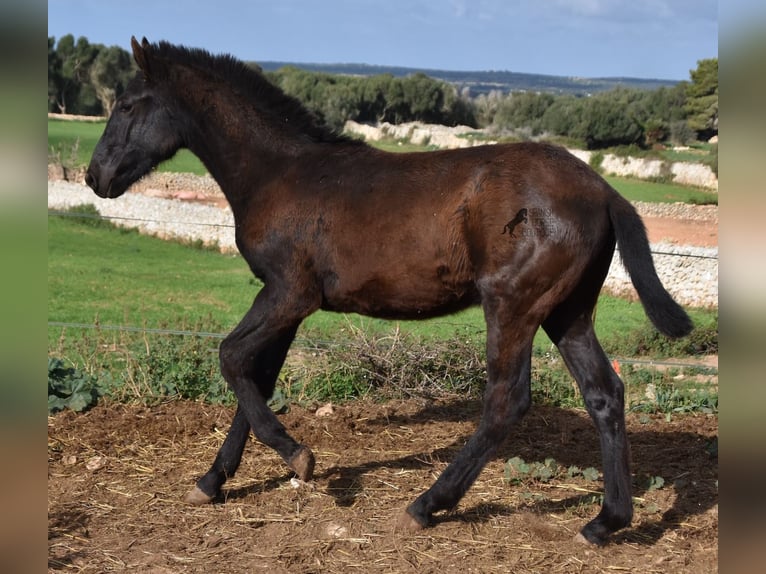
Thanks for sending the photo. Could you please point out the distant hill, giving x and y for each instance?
(483, 82)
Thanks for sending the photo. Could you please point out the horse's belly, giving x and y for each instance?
(399, 296)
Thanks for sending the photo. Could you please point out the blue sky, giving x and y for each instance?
(586, 38)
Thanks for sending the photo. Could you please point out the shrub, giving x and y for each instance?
(70, 388)
(87, 214)
(186, 367)
(647, 341)
(681, 133)
(391, 364)
(712, 161)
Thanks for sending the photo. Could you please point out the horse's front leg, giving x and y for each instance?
(251, 358)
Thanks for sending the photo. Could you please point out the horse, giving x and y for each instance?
(328, 222)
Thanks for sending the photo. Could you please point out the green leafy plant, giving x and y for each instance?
(186, 367)
(517, 470)
(70, 388)
(650, 482)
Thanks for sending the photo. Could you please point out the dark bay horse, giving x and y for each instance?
(525, 230)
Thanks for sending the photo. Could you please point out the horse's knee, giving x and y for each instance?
(230, 362)
(605, 401)
(522, 404)
(501, 415)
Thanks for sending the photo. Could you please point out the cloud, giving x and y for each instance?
(628, 11)
(459, 9)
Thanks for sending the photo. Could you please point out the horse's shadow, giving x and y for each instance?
(683, 458)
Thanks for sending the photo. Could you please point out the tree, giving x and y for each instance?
(486, 106)
(75, 94)
(109, 74)
(458, 108)
(610, 119)
(425, 97)
(564, 116)
(523, 110)
(55, 79)
(702, 98)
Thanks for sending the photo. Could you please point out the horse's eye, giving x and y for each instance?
(126, 107)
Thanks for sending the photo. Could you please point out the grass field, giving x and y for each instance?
(72, 142)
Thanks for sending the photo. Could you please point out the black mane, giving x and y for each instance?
(252, 84)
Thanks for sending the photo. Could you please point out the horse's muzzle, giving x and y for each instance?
(98, 181)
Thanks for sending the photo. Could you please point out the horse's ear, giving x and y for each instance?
(140, 55)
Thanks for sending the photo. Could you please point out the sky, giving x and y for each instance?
(659, 39)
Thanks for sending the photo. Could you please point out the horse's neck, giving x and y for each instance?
(239, 146)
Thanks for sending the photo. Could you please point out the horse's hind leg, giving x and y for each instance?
(603, 393)
(506, 398)
(251, 358)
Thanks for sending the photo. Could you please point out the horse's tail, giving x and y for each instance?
(667, 316)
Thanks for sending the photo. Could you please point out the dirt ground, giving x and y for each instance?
(117, 475)
(682, 231)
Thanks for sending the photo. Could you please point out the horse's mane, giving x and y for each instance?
(252, 84)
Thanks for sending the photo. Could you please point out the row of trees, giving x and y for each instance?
(381, 98)
(85, 78)
(618, 117)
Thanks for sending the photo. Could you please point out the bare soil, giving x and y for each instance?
(682, 231)
(118, 473)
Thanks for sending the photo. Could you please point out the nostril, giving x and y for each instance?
(90, 181)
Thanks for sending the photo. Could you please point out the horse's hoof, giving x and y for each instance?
(407, 523)
(580, 539)
(196, 497)
(302, 463)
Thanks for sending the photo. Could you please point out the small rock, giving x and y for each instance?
(297, 483)
(336, 530)
(325, 410)
(95, 463)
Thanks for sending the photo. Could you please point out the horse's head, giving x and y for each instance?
(140, 132)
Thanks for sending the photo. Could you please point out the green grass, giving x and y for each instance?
(397, 146)
(122, 277)
(73, 143)
(638, 190)
(697, 152)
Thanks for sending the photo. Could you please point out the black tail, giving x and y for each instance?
(667, 315)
